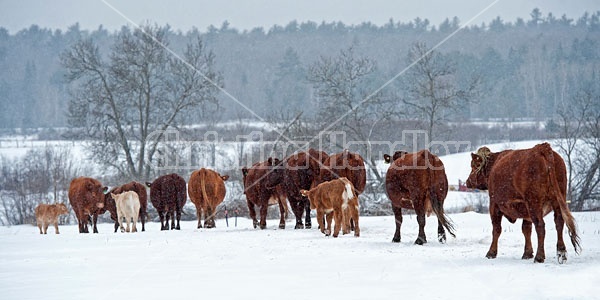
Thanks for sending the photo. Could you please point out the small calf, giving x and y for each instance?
(47, 214)
(128, 207)
(336, 196)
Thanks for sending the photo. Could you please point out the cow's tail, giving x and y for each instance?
(438, 204)
(562, 201)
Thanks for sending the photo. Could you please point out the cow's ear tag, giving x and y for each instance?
(105, 190)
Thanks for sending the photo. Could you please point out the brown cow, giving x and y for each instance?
(525, 184)
(207, 190)
(168, 195)
(87, 199)
(418, 181)
(46, 214)
(335, 199)
(259, 193)
(300, 171)
(140, 189)
(345, 164)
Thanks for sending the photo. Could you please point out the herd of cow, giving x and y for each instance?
(523, 184)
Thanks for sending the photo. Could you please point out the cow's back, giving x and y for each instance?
(209, 182)
(345, 164)
(168, 190)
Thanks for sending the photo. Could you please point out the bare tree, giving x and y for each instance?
(127, 99)
(432, 91)
(344, 88)
(580, 144)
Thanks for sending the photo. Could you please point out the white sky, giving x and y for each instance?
(247, 14)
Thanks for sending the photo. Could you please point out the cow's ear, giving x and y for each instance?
(277, 162)
(104, 190)
(148, 184)
(270, 161)
(387, 159)
(244, 171)
(474, 156)
(225, 177)
(304, 193)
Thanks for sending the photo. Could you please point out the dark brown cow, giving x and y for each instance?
(259, 193)
(207, 190)
(86, 196)
(418, 181)
(525, 184)
(140, 189)
(168, 195)
(300, 171)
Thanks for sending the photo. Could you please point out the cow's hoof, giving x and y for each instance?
(539, 259)
(299, 226)
(527, 255)
(396, 240)
(562, 257)
(420, 241)
(281, 226)
(263, 226)
(442, 238)
(308, 225)
(491, 255)
(327, 232)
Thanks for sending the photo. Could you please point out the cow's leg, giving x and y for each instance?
(209, 218)
(346, 217)
(164, 225)
(178, 212)
(307, 220)
(421, 239)
(169, 215)
(94, 222)
(39, 224)
(496, 216)
(526, 229)
(354, 210)
(127, 220)
(116, 226)
(46, 227)
(120, 220)
(320, 220)
(540, 230)
(252, 213)
(329, 218)
(56, 227)
(561, 250)
(281, 214)
(441, 233)
(199, 216)
(142, 215)
(134, 220)
(298, 210)
(338, 214)
(263, 215)
(398, 221)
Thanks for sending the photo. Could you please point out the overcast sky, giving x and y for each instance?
(247, 14)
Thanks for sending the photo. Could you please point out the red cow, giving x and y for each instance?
(86, 196)
(207, 190)
(140, 189)
(299, 172)
(259, 193)
(418, 181)
(525, 184)
(168, 195)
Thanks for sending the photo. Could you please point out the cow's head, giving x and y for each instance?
(224, 177)
(306, 193)
(479, 169)
(389, 159)
(62, 209)
(274, 173)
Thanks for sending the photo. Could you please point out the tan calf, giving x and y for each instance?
(335, 199)
(47, 214)
(128, 207)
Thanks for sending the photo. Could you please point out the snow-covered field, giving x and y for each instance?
(246, 263)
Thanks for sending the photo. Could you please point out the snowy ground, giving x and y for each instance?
(245, 263)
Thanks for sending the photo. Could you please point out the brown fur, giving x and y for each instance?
(87, 199)
(140, 189)
(260, 193)
(168, 195)
(337, 200)
(299, 171)
(46, 214)
(345, 164)
(418, 181)
(525, 184)
(206, 189)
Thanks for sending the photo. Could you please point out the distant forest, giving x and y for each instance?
(528, 68)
